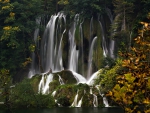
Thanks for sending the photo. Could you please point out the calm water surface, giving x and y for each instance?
(67, 110)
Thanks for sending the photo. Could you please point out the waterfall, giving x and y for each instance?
(44, 84)
(79, 78)
(54, 93)
(82, 54)
(75, 102)
(90, 58)
(104, 98)
(112, 42)
(92, 78)
(105, 102)
(95, 101)
(73, 53)
(33, 69)
(51, 54)
(104, 46)
(80, 102)
(61, 80)
(41, 84)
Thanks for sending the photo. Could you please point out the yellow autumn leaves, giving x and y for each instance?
(4, 1)
(11, 28)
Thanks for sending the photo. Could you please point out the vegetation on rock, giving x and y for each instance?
(132, 90)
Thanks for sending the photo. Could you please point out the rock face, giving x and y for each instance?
(67, 92)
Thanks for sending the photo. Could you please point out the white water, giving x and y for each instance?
(95, 101)
(44, 83)
(73, 53)
(104, 98)
(61, 80)
(92, 78)
(54, 93)
(80, 102)
(75, 102)
(79, 78)
(90, 58)
(51, 55)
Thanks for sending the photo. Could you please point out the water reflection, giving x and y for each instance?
(67, 110)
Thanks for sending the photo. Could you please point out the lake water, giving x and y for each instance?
(67, 110)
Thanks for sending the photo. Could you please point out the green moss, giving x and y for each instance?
(67, 77)
(53, 85)
(24, 96)
(35, 80)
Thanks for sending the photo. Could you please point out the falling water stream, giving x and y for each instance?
(51, 54)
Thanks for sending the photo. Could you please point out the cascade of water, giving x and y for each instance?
(112, 42)
(58, 64)
(95, 101)
(91, 29)
(104, 46)
(104, 98)
(33, 70)
(75, 102)
(44, 85)
(41, 84)
(92, 78)
(90, 58)
(105, 101)
(73, 53)
(48, 80)
(80, 102)
(51, 57)
(61, 80)
(91, 92)
(82, 54)
(54, 93)
(79, 78)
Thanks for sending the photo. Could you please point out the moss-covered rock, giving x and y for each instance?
(67, 77)
(53, 85)
(35, 80)
(65, 92)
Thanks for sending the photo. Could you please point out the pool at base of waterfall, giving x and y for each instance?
(67, 110)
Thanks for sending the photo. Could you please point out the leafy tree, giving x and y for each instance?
(132, 90)
(16, 31)
(124, 9)
(85, 7)
(5, 82)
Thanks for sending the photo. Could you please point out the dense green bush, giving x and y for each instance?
(107, 77)
(23, 95)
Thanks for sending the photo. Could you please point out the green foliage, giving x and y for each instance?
(23, 95)
(85, 7)
(108, 62)
(106, 79)
(5, 82)
(132, 88)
